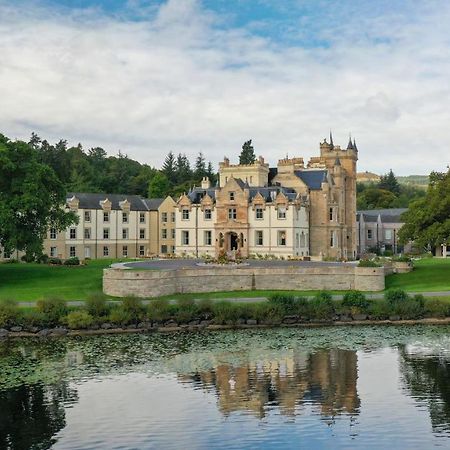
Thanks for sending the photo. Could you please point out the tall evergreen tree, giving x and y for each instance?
(183, 169)
(247, 155)
(169, 167)
(389, 183)
(200, 166)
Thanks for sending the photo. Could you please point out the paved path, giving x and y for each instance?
(375, 296)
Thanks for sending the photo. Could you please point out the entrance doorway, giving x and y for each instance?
(233, 244)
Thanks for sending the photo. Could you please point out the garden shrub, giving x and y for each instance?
(119, 316)
(380, 310)
(285, 302)
(28, 258)
(55, 261)
(205, 306)
(356, 302)
(34, 318)
(270, 312)
(9, 313)
(42, 259)
(134, 307)
(186, 309)
(96, 305)
(159, 310)
(437, 308)
(79, 319)
(73, 261)
(322, 307)
(53, 308)
(225, 312)
(368, 263)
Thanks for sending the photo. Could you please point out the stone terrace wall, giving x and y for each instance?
(153, 283)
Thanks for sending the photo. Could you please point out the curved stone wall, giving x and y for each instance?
(120, 282)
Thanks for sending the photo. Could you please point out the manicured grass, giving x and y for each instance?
(429, 274)
(24, 282)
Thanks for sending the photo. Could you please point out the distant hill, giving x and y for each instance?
(367, 177)
(414, 180)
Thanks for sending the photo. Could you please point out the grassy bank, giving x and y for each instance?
(429, 274)
(280, 309)
(30, 282)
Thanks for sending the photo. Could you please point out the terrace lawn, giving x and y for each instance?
(23, 282)
(429, 274)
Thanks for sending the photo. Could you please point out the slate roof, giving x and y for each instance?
(92, 201)
(152, 203)
(196, 194)
(312, 178)
(391, 215)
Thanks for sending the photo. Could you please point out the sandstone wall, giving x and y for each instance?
(154, 283)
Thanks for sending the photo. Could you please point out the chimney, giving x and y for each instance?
(206, 183)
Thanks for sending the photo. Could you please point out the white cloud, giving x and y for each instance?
(176, 80)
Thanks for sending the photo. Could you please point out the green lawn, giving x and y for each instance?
(429, 274)
(34, 281)
(25, 282)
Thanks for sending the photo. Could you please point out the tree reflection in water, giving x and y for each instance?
(428, 380)
(325, 379)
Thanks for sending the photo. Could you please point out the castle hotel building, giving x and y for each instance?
(289, 210)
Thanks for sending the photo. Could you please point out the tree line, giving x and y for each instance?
(387, 193)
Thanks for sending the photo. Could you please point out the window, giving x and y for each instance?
(87, 233)
(53, 252)
(73, 233)
(125, 250)
(105, 251)
(125, 233)
(282, 212)
(105, 233)
(172, 216)
(105, 216)
(231, 196)
(207, 238)
(87, 216)
(388, 234)
(53, 233)
(163, 248)
(72, 252)
(259, 213)
(164, 217)
(207, 214)
(282, 237)
(141, 217)
(232, 214)
(124, 217)
(185, 237)
(164, 233)
(369, 234)
(172, 233)
(333, 239)
(142, 233)
(302, 240)
(259, 237)
(331, 214)
(142, 250)
(185, 215)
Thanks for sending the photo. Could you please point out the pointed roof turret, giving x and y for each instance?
(350, 144)
(354, 145)
(331, 140)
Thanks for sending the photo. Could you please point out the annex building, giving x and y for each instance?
(294, 209)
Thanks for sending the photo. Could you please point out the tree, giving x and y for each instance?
(374, 198)
(427, 221)
(183, 169)
(247, 155)
(169, 167)
(389, 183)
(31, 199)
(200, 166)
(159, 186)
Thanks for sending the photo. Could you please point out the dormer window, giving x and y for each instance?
(105, 216)
(124, 217)
(231, 196)
(259, 214)
(282, 212)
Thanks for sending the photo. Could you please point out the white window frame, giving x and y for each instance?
(72, 233)
(259, 213)
(207, 214)
(185, 214)
(72, 251)
(141, 233)
(164, 233)
(259, 238)
(105, 233)
(184, 237)
(142, 217)
(105, 250)
(87, 233)
(125, 233)
(232, 213)
(164, 217)
(87, 216)
(106, 217)
(125, 251)
(142, 250)
(281, 212)
(280, 241)
(207, 237)
(53, 252)
(53, 234)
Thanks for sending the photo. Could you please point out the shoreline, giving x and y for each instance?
(62, 332)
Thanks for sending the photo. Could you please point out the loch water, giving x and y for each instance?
(367, 387)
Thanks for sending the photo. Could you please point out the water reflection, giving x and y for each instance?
(291, 382)
(427, 377)
(326, 379)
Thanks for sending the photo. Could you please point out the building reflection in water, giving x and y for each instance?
(326, 380)
(427, 377)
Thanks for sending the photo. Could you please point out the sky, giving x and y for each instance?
(147, 77)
